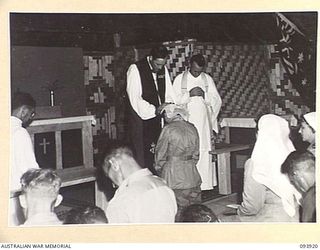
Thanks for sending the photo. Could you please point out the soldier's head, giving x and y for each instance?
(40, 189)
(300, 168)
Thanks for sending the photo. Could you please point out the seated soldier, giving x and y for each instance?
(308, 130)
(141, 197)
(300, 167)
(39, 196)
(86, 215)
(176, 157)
(198, 213)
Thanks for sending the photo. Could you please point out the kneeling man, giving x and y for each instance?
(141, 197)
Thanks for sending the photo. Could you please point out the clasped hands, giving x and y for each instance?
(196, 91)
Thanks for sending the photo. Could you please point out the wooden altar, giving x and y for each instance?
(223, 151)
(57, 126)
(72, 174)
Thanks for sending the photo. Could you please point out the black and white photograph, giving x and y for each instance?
(162, 118)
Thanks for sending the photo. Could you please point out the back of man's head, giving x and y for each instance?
(198, 59)
(22, 99)
(119, 163)
(86, 215)
(300, 167)
(43, 184)
(298, 160)
(159, 51)
(115, 153)
(198, 213)
(173, 112)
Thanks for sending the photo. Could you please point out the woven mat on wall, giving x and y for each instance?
(241, 75)
(250, 80)
(99, 84)
(180, 53)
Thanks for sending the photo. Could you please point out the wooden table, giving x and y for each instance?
(223, 153)
(228, 123)
(223, 150)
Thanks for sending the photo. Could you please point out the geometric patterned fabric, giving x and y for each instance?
(180, 53)
(241, 75)
(250, 80)
(99, 87)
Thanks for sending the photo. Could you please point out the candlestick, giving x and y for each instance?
(51, 98)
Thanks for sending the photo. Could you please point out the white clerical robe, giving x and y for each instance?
(203, 114)
(22, 159)
(22, 154)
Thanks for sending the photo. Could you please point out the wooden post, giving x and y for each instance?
(87, 147)
(224, 173)
(227, 133)
(58, 150)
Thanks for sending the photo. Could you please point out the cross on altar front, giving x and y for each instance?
(44, 143)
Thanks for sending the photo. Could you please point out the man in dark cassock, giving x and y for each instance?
(148, 87)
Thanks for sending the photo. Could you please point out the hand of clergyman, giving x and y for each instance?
(196, 91)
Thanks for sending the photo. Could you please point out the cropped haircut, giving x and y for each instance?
(159, 51)
(198, 59)
(291, 164)
(198, 213)
(20, 99)
(115, 153)
(44, 182)
(85, 215)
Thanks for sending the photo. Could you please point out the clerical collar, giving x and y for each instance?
(150, 65)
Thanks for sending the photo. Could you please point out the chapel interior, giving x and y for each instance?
(74, 65)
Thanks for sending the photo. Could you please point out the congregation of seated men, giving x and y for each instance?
(279, 182)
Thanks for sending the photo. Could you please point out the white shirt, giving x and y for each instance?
(22, 154)
(45, 219)
(142, 198)
(143, 108)
(212, 97)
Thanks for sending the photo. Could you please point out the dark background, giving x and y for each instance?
(95, 31)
